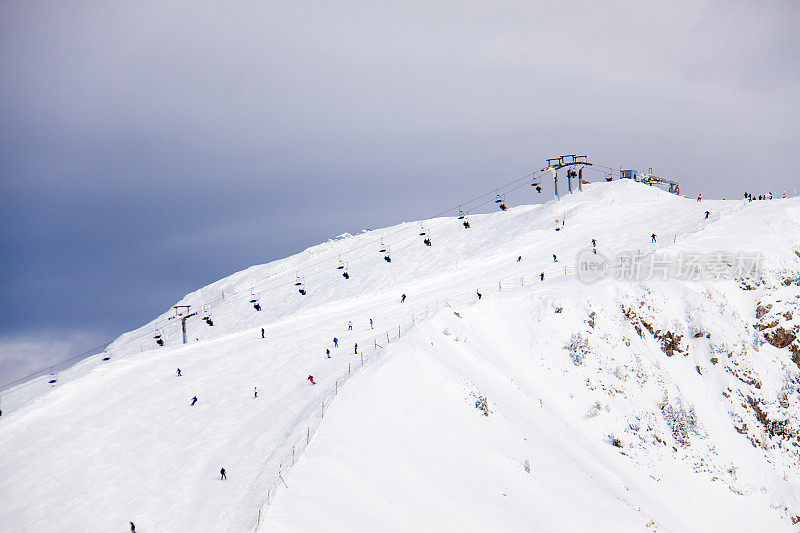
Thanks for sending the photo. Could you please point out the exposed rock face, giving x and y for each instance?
(776, 322)
(779, 337)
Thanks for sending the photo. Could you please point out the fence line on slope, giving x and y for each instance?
(375, 347)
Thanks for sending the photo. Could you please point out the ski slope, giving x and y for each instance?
(401, 445)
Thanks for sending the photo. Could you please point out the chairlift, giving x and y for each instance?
(422, 231)
(158, 339)
(460, 213)
(498, 199)
(298, 282)
(383, 247)
(53, 379)
(341, 263)
(106, 358)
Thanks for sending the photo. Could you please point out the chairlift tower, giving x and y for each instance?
(565, 161)
(183, 317)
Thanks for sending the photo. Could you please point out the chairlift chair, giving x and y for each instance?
(341, 264)
(498, 199)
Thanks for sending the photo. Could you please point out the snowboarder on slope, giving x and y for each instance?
(133, 527)
(356, 349)
(262, 333)
(311, 379)
(541, 276)
(594, 243)
(479, 295)
(370, 324)
(255, 392)
(519, 259)
(179, 372)
(707, 213)
(335, 342)
(349, 325)
(194, 400)
(328, 352)
(403, 298)
(555, 259)
(222, 476)
(653, 237)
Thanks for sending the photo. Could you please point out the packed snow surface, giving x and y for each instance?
(657, 403)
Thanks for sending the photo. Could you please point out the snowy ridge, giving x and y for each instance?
(630, 399)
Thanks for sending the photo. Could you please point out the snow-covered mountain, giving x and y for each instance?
(651, 386)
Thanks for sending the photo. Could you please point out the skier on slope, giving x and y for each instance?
(349, 325)
(255, 392)
(179, 372)
(262, 333)
(403, 298)
(222, 476)
(133, 527)
(370, 324)
(194, 400)
(653, 237)
(707, 213)
(519, 259)
(594, 243)
(555, 259)
(355, 350)
(335, 342)
(479, 295)
(328, 352)
(311, 379)
(541, 276)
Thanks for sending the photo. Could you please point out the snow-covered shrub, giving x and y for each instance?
(578, 348)
(682, 421)
(482, 405)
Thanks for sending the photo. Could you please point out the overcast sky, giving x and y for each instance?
(149, 148)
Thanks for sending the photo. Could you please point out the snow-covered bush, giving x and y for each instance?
(578, 348)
